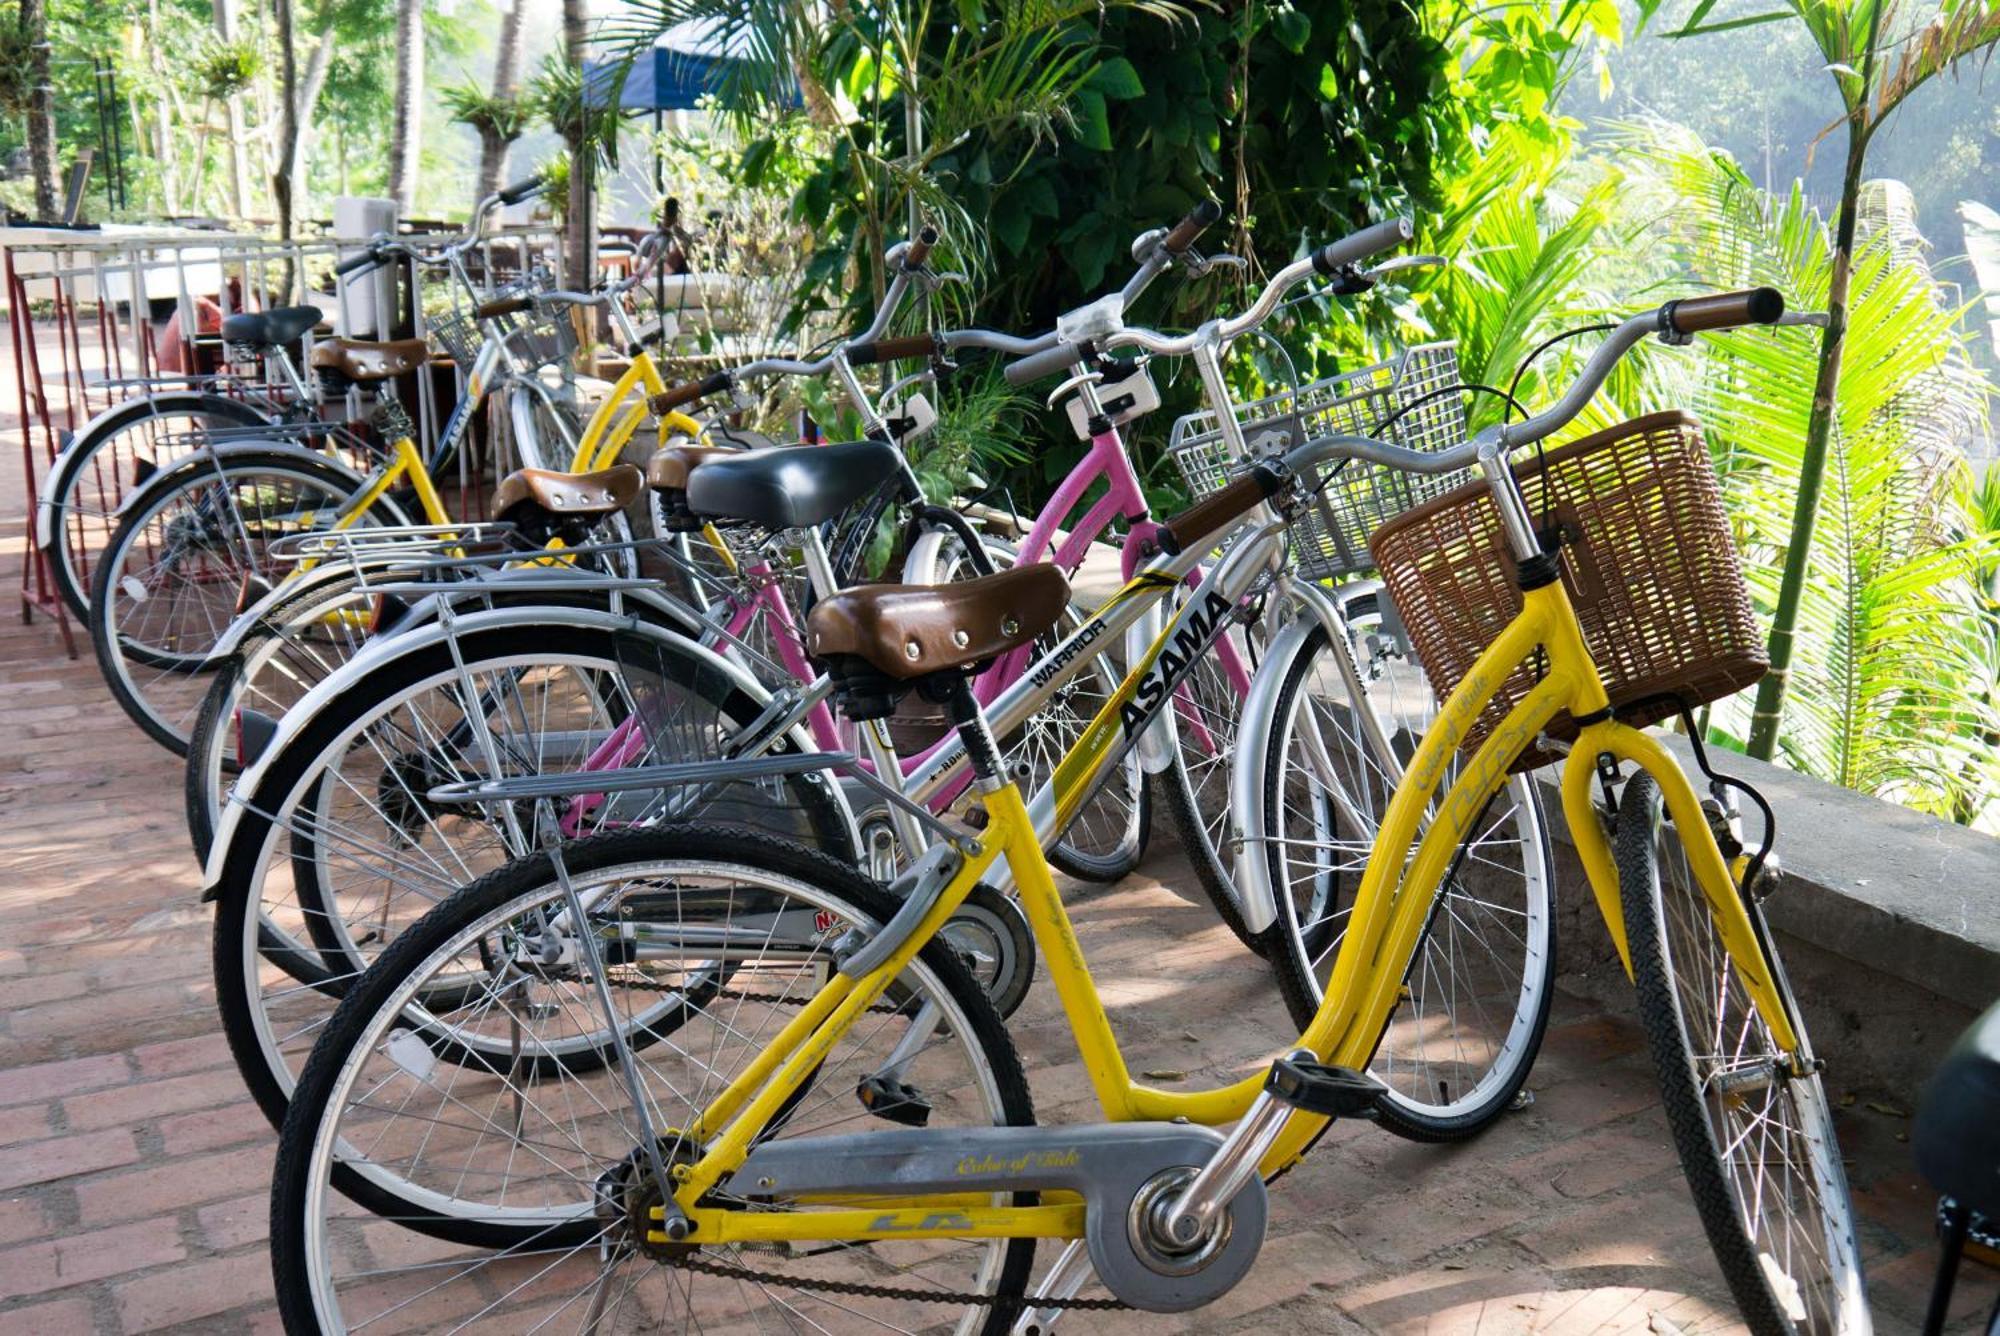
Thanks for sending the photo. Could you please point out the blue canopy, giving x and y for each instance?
(689, 62)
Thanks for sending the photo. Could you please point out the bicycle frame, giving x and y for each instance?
(1391, 909)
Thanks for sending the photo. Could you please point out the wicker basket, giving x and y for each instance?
(1359, 497)
(1647, 559)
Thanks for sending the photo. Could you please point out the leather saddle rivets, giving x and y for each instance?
(1009, 625)
(913, 651)
(961, 638)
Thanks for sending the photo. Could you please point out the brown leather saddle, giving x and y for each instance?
(876, 640)
(667, 474)
(364, 362)
(542, 493)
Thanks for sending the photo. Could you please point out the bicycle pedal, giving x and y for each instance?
(1332, 1092)
(894, 1102)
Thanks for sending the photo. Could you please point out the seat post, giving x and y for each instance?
(980, 749)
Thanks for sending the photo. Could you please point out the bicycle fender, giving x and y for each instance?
(1110, 1165)
(1246, 777)
(553, 618)
(83, 441)
(208, 458)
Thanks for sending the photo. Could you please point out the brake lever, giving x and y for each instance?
(1199, 266)
(1387, 267)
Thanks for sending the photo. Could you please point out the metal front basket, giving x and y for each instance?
(537, 338)
(1331, 539)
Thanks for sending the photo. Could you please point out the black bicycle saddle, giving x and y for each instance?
(272, 328)
(1957, 1133)
(792, 487)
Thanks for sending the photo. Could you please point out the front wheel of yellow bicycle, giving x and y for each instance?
(1755, 1138)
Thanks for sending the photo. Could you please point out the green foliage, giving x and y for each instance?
(1893, 679)
(504, 116)
(226, 68)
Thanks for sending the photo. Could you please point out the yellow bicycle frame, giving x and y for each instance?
(1391, 908)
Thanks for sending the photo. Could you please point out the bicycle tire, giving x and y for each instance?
(260, 840)
(117, 654)
(1474, 1097)
(374, 1003)
(83, 455)
(1671, 938)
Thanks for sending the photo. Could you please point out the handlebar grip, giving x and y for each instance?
(1045, 363)
(1211, 513)
(1199, 219)
(666, 401)
(1723, 310)
(523, 189)
(920, 249)
(503, 306)
(354, 264)
(1331, 258)
(893, 350)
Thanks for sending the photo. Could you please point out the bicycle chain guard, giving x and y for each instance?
(1117, 1168)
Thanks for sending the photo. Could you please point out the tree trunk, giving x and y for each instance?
(41, 113)
(506, 83)
(1770, 707)
(288, 124)
(581, 242)
(406, 128)
(239, 158)
(307, 101)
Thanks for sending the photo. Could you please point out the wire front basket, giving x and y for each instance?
(537, 338)
(1331, 539)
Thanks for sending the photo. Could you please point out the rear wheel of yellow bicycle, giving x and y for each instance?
(1755, 1140)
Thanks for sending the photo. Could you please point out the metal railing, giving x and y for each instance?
(94, 317)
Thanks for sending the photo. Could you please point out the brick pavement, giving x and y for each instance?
(132, 1167)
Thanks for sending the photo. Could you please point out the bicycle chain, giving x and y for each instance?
(861, 1290)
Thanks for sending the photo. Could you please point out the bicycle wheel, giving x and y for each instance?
(166, 587)
(117, 453)
(1194, 787)
(1755, 1140)
(1476, 995)
(297, 644)
(340, 846)
(552, 1172)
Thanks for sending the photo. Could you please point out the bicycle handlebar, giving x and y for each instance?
(1326, 260)
(524, 189)
(1727, 310)
(920, 249)
(668, 400)
(1723, 310)
(1197, 221)
(892, 350)
(503, 306)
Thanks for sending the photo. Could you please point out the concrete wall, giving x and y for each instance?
(1888, 922)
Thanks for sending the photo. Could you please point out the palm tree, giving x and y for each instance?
(493, 135)
(1878, 53)
(287, 154)
(1893, 669)
(406, 127)
(34, 21)
(581, 247)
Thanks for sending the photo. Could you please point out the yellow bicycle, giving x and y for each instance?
(751, 1087)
